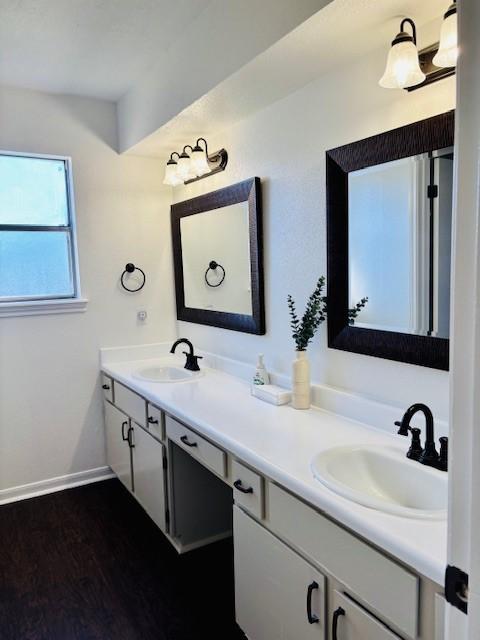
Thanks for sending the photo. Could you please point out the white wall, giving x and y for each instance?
(285, 145)
(50, 407)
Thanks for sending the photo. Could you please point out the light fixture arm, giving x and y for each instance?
(413, 27)
(206, 145)
(451, 9)
(174, 153)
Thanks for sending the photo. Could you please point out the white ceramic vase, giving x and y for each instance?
(301, 381)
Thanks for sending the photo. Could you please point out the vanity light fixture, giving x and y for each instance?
(403, 66)
(194, 163)
(447, 53)
(409, 69)
(171, 177)
(184, 165)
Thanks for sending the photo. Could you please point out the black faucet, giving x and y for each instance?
(192, 360)
(427, 455)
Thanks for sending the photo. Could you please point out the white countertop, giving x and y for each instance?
(281, 442)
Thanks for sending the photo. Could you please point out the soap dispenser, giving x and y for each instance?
(261, 375)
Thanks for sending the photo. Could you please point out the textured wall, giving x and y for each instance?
(285, 146)
(50, 407)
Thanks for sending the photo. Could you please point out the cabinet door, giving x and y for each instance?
(149, 475)
(351, 622)
(117, 425)
(278, 596)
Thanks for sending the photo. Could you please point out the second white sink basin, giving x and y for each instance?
(166, 374)
(384, 479)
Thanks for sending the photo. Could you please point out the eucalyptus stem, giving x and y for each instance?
(304, 329)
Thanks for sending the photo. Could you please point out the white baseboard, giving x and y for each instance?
(51, 485)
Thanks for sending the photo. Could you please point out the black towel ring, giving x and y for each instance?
(130, 268)
(213, 265)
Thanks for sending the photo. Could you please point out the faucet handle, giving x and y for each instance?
(191, 355)
(443, 456)
(402, 431)
(415, 450)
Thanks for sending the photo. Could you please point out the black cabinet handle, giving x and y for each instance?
(124, 437)
(238, 485)
(106, 387)
(184, 439)
(312, 618)
(130, 438)
(152, 420)
(336, 615)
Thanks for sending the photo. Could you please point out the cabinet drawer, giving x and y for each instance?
(107, 387)
(207, 453)
(131, 403)
(352, 622)
(155, 421)
(384, 586)
(248, 489)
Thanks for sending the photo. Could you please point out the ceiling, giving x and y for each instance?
(94, 48)
(104, 48)
(332, 38)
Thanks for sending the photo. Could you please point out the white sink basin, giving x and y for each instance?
(166, 374)
(384, 479)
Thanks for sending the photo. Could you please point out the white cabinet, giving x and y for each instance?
(149, 474)
(107, 387)
(131, 403)
(385, 587)
(351, 622)
(204, 451)
(155, 421)
(278, 595)
(248, 489)
(118, 439)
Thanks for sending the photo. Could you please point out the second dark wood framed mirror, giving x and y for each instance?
(389, 226)
(218, 258)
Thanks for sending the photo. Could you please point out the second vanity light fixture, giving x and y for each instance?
(409, 69)
(194, 163)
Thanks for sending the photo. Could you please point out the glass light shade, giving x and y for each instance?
(171, 176)
(184, 169)
(447, 53)
(199, 162)
(403, 68)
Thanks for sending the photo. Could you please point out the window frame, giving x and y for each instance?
(29, 305)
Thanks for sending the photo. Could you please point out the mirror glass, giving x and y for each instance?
(399, 244)
(216, 259)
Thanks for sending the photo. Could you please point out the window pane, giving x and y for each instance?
(35, 264)
(33, 191)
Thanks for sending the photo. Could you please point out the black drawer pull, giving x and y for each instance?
(184, 439)
(152, 420)
(338, 612)
(312, 618)
(106, 387)
(238, 485)
(124, 437)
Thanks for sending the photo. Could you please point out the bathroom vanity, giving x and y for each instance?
(205, 459)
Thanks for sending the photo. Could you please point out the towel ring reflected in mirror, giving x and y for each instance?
(213, 266)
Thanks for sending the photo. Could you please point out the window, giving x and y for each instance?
(38, 261)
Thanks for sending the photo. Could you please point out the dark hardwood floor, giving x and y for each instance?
(88, 564)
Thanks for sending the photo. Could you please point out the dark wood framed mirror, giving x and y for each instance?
(389, 225)
(218, 258)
